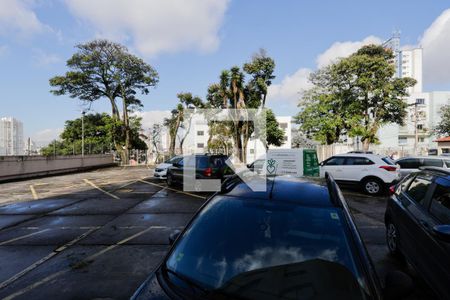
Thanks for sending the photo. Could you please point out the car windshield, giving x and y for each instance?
(235, 241)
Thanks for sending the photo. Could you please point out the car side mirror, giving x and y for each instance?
(173, 236)
(250, 167)
(177, 165)
(321, 164)
(397, 285)
(442, 232)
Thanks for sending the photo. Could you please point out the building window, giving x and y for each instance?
(402, 140)
(252, 151)
(421, 140)
(200, 145)
(420, 101)
(200, 133)
(283, 125)
(420, 126)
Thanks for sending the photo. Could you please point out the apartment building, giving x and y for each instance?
(11, 136)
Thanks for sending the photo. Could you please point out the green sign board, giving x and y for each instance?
(310, 163)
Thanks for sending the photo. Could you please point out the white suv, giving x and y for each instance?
(373, 172)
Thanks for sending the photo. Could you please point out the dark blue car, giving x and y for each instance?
(296, 240)
(418, 226)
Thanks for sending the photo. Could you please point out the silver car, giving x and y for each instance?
(413, 163)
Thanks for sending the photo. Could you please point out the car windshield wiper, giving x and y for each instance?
(192, 284)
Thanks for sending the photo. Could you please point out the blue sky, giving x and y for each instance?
(190, 42)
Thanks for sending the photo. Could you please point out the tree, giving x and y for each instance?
(220, 138)
(443, 128)
(99, 135)
(155, 137)
(187, 109)
(179, 115)
(261, 69)
(239, 95)
(103, 69)
(355, 96)
(274, 134)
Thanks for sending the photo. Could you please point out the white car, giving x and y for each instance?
(161, 169)
(372, 172)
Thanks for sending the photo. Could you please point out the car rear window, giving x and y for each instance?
(253, 235)
(409, 163)
(447, 163)
(418, 189)
(388, 161)
(429, 162)
(440, 203)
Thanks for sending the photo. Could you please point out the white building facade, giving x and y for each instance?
(196, 140)
(11, 137)
(423, 112)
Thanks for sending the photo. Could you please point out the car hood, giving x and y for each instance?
(163, 166)
(150, 289)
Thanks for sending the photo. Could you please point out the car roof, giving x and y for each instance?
(427, 157)
(369, 155)
(304, 191)
(437, 171)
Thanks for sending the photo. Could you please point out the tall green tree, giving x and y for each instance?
(261, 69)
(101, 69)
(181, 117)
(239, 92)
(443, 128)
(355, 96)
(99, 135)
(274, 134)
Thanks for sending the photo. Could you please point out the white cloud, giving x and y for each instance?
(17, 17)
(290, 88)
(45, 136)
(343, 49)
(436, 50)
(155, 26)
(152, 117)
(42, 58)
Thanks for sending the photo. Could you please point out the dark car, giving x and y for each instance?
(203, 166)
(417, 225)
(296, 240)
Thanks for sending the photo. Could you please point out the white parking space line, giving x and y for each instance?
(82, 262)
(171, 189)
(23, 237)
(33, 192)
(40, 262)
(100, 189)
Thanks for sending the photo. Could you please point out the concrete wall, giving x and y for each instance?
(19, 167)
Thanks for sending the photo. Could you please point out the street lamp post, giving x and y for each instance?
(82, 133)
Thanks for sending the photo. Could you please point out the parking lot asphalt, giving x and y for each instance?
(99, 234)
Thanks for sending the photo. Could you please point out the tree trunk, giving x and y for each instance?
(366, 144)
(126, 122)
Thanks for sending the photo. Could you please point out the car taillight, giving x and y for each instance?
(389, 168)
(392, 190)
(207, 172)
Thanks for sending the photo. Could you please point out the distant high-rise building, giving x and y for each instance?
(417, 135)
(11, 137)
(408, 62)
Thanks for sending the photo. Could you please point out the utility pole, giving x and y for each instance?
(416, 132)
(82, 133)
